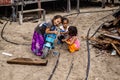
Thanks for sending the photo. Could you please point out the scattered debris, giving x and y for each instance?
(113, 52)
(8, 54)
(118, 51)
(108, 37)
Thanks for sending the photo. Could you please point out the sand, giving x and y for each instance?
(103, 65)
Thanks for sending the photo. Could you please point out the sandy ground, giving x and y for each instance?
(103, 66)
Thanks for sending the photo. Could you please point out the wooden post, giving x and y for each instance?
(21, 13)
(14, 16)
(103, 3)
(28, 11)
(44, 13)
(20, 18)
(22, 6)
(68, 6)
(39, 7)
(78, 5)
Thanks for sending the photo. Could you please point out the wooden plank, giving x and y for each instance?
(78, 5)
(116, 21)
(28, 11)
(32, 10)
(68, 5)
(108, 41)
(118, 51)
(103, 3)
(27, 61)
(39, 7)
(112, 36)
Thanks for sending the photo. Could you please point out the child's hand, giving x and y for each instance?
(63, 40)
(62, 33)
(55, 32)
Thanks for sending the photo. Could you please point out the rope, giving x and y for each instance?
(53, 70)
(88, 49)
(2, 32)
(71, 66)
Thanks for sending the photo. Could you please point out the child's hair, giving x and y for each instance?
(63, 19)
(56, 17)
(72, 31)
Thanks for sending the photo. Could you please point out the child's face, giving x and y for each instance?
(65, 23)
(57, 21)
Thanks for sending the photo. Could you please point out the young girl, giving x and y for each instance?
(40, 31)
(72, 40)
(63, 30)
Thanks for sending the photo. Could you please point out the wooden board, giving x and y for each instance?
(28, 61)
(115, 47)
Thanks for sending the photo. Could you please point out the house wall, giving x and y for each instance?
(5, 2)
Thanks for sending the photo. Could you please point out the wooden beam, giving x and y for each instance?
(116, 21)
(28, 11)
(104, 41)
(118, 51)
(112, 36)
(32, 10)
(78, 5)
(68, 5)
(27, 61)
(39, 7)
(103, 3)
(108, 41)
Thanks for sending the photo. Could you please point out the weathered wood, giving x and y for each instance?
(28, 61)
(118, 30)
(116, 21)
(112, 36)
(68, 5)
(32, 10)
(78, 5)
(108, 24)
(105, 41)
(103, 3)
(39, 7)
(28, 11)
(118, 51)
(101, 46)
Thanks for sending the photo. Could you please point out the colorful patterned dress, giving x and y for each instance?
(38, 38)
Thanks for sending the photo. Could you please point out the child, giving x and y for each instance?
(72, 40)
(40, 31)
(63, 30)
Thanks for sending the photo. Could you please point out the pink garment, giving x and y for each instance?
(77, 43)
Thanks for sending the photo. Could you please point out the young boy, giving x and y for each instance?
(63, 30)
